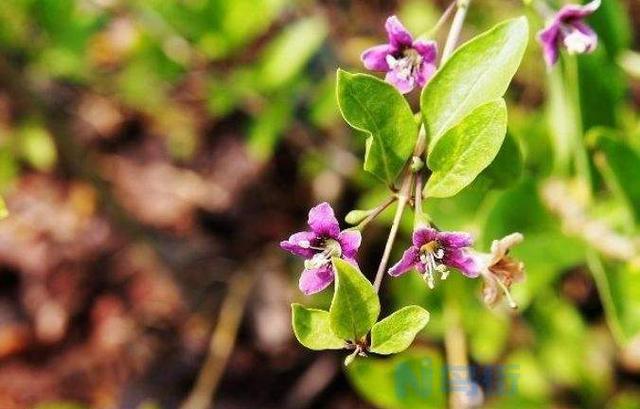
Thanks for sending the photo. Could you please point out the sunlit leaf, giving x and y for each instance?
(355, 306)
(312, 328)
(396, 332)
(377, 108)
(466, 149)
(478, 72)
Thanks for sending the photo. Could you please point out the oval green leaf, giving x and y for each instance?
(312, 328)
(466, 149)
(478, 72)
(355, 306)
(396, 332)
(375, 107)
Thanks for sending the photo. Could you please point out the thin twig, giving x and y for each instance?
(222, 342)
(456, 28)
(443, 19)
(418, 195)
(376, 212)
(403, 198)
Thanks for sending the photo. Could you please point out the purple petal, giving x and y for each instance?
(401, 84)
(349, 243)
(427, 49)
(408, 261)
(424, 236)
(299, 243)
(587, 31)
(323, 221)
(351, 261)
(463, 261)
(315, 280)
(399, 37)
(549, 38)
(573, 12)
(375, 58)
(455, 239)
(424, 74)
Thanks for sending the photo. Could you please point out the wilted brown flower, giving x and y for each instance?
(500, 270)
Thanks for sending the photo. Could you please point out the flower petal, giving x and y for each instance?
(323, 221)
(500, 248)
(589, 33)
(427, 49)
(375, 58)
(424, 74)
(399, 37)
(423, 236)
(548, 39)
(455, 239)
(463, 261)
(299, 244)
(572, 12)
(404, 85)
(349, 243)
(316, 279)
(408, 261)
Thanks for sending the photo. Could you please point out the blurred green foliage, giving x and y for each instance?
(272, 64)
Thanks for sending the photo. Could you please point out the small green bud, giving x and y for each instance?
(416, 164)
(356, 216)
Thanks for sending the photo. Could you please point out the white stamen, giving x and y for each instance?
(504, 288)
(431, 256)
(331, 249)
(407, 66)
(316, 261)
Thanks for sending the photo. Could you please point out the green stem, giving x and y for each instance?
(581, 157)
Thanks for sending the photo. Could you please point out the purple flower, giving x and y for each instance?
(568, 29)
(318, 246)
(433, 251)
(407, 63)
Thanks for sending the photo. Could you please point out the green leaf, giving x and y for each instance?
(410, 380)
(620, 165)
(287, 55)
(355, 306)
(506, 169)
(396, 332)
(478, 72)
(312, 329)
(373, 106)
(619, 291)
(466, 149)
